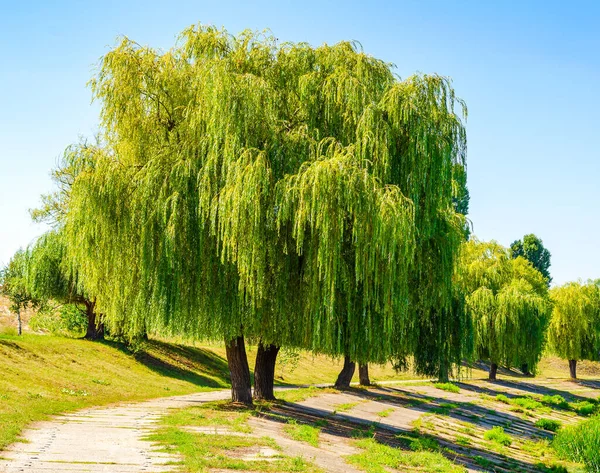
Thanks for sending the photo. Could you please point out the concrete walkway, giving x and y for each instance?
(108, 439)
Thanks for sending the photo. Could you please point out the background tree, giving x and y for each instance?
(533, 250)
(13, 284)
(41, 275)
(245, 189)
(574, 331)
(509, 301)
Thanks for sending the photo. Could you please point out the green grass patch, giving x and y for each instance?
(385, 413)
(303, 432)
(449, 387)
(580, 443)
(584, 408)
(556, 401)
(497, 435)
(551, 425)
(345, 407)
(462, 440)
(378, 458)
(503, 398)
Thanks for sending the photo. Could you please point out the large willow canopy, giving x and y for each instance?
(508, 299)
(297, 194)
(574, 331)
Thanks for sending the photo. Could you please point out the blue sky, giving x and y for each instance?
(528, 70)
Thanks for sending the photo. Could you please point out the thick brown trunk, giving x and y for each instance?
(493, 371)
(264, 372)
(345, 376)
(239, 371)
(573, 368)
(363, 374)
(95, 327)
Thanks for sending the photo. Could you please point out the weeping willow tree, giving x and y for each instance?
(41, 275)
(286, 194)
(13, 284)
(574, 331)
(508, 299)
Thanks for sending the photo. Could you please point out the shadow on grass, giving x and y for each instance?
(465, 412)
(348, 426)
(193, 365)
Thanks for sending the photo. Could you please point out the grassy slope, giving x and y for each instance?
(44, 375)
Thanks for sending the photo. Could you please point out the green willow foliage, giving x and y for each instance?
(297, 194)
(574, 331)
(509, 301)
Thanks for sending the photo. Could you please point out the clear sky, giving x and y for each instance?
(529, 71)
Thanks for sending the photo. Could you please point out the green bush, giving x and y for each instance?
(68, 320)
(548, 424)
(498, 435)
(580, 443)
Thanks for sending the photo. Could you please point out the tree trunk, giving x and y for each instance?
(19, 323)
(573, 368)
(95, 328)
(345, 376)
(493, 371)
(363, 374)
(241, 387)
(264, 372)
(525, 369)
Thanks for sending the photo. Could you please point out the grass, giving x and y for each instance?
(303, 432)
(47, 375)
(385, 412)
(344, 407)
(202, 452)
(497, 435)
(551, 425)
(378, 458)
(449, 387)
(580, 443)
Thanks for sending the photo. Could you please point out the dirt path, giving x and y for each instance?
(108, 439)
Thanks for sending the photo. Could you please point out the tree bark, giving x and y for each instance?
(363, 374)
(525, 369)
(19, 322)
(493, 371)
(345, 376)
(95, 327)
(264, 372)
(573, 368)
(241, 387)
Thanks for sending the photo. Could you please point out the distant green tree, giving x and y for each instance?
(574, 331)
(533, 250)
(508, 299)
(13, 284)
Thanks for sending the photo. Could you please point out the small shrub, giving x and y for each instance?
(451, 388)
(580, 443)
(548, 424)
(498, 435)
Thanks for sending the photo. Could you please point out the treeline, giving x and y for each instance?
(246, 190)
